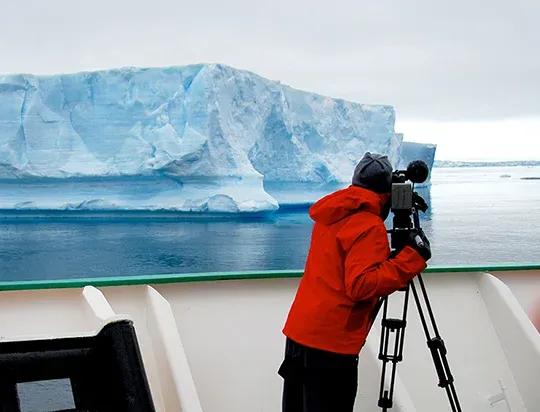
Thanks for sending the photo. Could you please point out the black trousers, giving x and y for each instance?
(317, 380)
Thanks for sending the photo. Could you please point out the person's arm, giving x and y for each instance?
(370, 273)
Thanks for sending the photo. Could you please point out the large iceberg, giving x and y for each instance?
(193, 138)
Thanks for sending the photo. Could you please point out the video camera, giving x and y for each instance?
(405, 202)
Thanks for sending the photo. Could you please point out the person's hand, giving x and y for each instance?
(419, 242)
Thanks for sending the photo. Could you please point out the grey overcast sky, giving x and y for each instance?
(464, 74)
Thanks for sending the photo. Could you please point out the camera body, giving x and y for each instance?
(402, 196)
(405, 202)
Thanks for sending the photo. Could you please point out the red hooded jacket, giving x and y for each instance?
(348, 268)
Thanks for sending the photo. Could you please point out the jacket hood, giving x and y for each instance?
(345, 202)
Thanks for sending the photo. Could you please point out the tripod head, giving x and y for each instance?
(405, 202)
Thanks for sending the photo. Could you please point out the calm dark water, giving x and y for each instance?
(476, 217)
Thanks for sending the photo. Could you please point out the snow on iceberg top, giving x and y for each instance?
(205, 121)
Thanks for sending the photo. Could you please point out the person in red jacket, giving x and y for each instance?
(348, 268)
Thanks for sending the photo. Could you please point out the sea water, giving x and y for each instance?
(477, 216)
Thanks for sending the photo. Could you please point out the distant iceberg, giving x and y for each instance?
(410, 151)
(195, 138)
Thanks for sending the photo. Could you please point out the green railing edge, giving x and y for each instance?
(213, 276)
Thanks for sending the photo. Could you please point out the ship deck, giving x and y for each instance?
(212, 341)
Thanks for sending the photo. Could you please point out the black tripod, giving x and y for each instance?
(396, 326)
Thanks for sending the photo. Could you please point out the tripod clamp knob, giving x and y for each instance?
(437, 343)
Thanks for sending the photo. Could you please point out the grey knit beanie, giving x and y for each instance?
(373, 172)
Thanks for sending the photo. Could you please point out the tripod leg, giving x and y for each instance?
(428, 305)
(437, 347)
(384, 399)
(396, 328)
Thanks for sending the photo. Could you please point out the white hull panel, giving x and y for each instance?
(216, 346)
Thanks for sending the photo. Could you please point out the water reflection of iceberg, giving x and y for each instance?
(425, 192)
(298, 197)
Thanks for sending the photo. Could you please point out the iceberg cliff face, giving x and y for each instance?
(210, 134)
